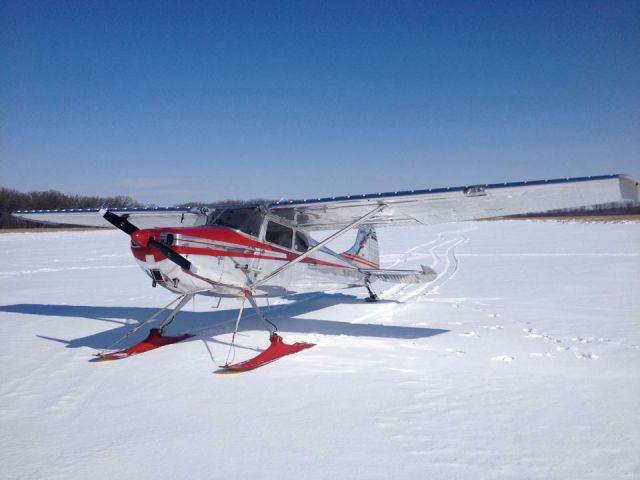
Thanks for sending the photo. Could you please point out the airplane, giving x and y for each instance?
(266, 250)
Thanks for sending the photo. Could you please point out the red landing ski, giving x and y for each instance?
(154, 340)
(276, 350)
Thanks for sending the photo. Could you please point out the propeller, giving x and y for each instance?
(143, 238)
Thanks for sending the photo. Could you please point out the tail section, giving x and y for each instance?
(364, 252)
(364, 255)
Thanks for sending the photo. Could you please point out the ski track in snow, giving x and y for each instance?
(444, 261)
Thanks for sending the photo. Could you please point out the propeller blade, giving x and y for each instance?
(129, 228)
(120, 222)
(170, 254)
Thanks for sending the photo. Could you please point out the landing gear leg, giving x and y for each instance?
(156, 337)
(277, 348)
(270, 325)
(173, 314)
(372, 296)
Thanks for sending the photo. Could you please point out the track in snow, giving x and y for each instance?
(442, 252)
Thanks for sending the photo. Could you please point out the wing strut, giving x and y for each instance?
(317, 247)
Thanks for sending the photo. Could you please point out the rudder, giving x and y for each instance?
(364, 253)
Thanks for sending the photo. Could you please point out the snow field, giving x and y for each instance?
(519, 361)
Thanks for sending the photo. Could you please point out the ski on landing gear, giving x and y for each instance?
(154, 340)
(156, 337)
(276, 350)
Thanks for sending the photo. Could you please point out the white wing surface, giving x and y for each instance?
(427, 206)
(440, 205)
(141, 217)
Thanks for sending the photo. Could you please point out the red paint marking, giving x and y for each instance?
(222, 253)
(362, 260)
(225, 253)
(220, 234)
(141, 237)
(276, 350)
(153, 341)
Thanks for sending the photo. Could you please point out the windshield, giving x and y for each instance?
(247, 220)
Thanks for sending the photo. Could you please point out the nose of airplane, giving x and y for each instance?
(141, 237)
(146, 238)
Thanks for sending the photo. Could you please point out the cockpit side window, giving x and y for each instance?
(279, 234)
(247, 220)
(301, 242)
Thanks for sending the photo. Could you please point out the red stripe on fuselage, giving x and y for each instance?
(224, 253)
(253, 248)
(364, 261)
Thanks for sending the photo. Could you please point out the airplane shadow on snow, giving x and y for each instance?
(208, 324)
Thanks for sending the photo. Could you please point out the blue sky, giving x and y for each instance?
(178, 101)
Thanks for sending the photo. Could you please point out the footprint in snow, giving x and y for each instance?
(540, 354)
(531, 333)
(503, 358)
(455, 352)
(469, 334)
(494, 315)
(586, 356)
(587, 340)
(493, 327)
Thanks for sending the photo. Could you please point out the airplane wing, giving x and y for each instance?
(411, 207)
(142, 217)
(441, 205)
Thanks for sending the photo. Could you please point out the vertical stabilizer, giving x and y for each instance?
(364, 252)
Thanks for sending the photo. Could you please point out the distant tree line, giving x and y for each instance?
(12, 200)
(253, 201)
(612, 208)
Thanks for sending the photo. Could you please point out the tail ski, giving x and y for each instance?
(424, 275)
(364, 253)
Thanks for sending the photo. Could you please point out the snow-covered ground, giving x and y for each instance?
(522, 360)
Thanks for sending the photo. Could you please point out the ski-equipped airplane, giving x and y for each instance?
(266, 250)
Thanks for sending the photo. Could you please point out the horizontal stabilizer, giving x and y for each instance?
(424, 275)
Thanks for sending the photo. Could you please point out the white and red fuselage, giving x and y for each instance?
(228, 260)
